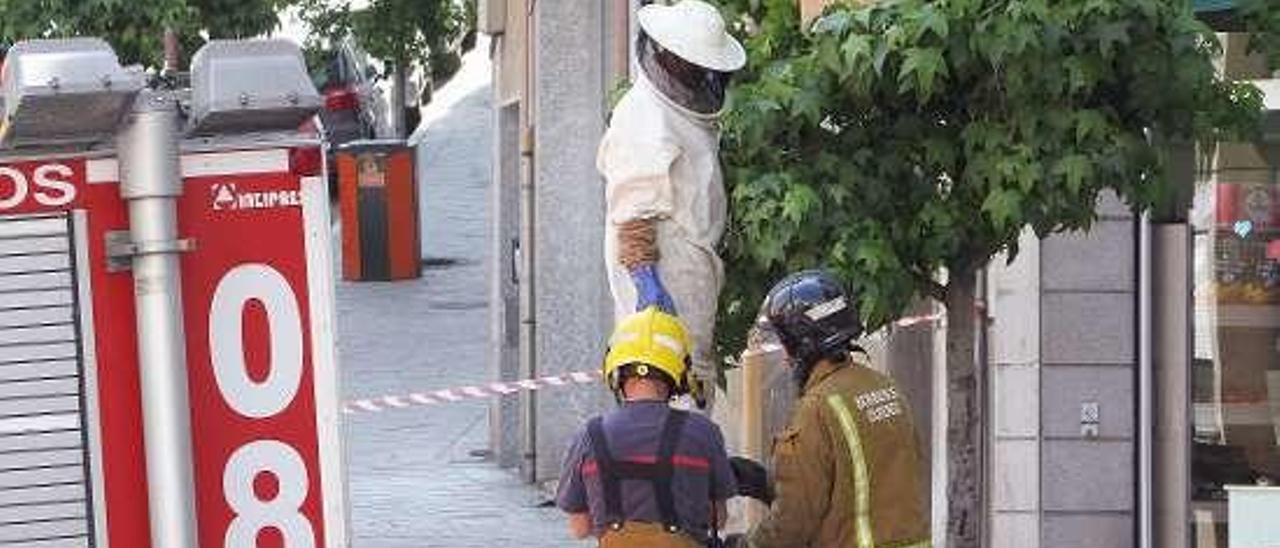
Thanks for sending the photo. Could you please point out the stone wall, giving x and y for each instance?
(1065, 339)
(573, 308)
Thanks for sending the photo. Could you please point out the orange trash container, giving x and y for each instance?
(378, 202)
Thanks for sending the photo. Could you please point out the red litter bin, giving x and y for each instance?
(381, 233)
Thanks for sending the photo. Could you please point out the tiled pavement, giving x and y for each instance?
(418, 476)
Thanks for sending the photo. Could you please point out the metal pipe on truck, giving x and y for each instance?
(151, 182)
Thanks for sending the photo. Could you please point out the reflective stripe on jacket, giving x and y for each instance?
(848, 470)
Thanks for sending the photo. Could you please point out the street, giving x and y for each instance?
(997, 273)
(419, 476)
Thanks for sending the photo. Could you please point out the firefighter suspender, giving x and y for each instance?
(659, 472)
(610, 486)
(664, 469)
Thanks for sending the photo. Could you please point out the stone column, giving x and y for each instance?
(572, 306)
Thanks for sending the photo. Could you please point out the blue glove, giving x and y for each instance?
(649, 290)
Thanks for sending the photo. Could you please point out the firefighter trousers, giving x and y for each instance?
(634, 534)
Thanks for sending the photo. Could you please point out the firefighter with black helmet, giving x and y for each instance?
(848, 470)
(645, 474)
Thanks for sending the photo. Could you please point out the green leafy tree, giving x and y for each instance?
(398, 32)
(136, 29)
(1261, 19)
(895, 142)
(394, 30)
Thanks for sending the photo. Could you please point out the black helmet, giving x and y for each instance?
(814, 317)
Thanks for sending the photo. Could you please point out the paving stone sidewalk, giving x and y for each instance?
(418, 477)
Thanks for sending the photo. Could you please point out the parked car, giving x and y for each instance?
(353, 106)
(357, 91)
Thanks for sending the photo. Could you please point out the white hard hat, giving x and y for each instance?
(694, 31)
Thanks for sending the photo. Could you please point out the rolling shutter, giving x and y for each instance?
(44, 480)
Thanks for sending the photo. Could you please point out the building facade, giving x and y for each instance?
(1135, 369)
(1133, 372)
(554, 64)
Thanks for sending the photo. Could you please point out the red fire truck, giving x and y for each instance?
(167, 367)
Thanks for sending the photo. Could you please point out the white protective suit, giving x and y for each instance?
(661, 161)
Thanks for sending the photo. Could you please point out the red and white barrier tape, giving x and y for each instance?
(478, 392)
(498, 389)
(916, 320)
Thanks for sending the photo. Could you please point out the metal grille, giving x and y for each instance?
(44, 481)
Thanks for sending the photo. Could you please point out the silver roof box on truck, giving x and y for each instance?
(69, 91)
(250, 86)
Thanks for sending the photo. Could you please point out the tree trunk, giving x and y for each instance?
(964, 415)
(397, 101)
(171, 52)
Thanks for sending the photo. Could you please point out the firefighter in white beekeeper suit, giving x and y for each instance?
(664, 190)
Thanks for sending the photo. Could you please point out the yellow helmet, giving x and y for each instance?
(648, 339)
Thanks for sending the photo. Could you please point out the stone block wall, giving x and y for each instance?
(1065, 338)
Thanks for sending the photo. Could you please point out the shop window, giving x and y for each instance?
(1235, 374)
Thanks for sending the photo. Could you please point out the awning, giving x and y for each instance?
(1218, 14)
(1213, 5)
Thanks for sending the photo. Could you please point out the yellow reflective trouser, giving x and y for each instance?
(635, 534)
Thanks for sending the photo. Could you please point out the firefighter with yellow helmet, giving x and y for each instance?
(645, 474)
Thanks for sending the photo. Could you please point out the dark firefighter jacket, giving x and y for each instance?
(848, 468)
